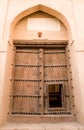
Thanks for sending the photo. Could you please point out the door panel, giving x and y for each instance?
(55, 74)
(27, 73)
(25, 89)
(27, 56)
(55, 64)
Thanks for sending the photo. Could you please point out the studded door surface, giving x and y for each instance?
(26, 82)
(34, 71)
(55, 75)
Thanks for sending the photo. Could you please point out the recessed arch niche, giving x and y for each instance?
(45, 9)
(39, 67)
(50, 27)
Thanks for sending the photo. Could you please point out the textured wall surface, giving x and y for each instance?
(70, 12)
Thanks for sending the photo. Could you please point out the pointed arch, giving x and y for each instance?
(45, 9)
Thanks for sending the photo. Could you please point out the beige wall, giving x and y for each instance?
(70, 12)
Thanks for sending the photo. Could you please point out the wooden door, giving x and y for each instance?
(55, 80)
(40, 81)
(26, 82)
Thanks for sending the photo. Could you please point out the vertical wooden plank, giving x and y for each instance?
(69, 83)
(12, 79)
(41, 84)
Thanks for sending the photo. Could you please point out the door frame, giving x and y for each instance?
(65, 116)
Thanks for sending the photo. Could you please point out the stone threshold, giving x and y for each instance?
(41, 119)
(43, 126)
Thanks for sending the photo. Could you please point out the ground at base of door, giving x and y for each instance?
(43, 126)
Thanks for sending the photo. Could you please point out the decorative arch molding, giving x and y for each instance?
(61, 49)
(45, 9)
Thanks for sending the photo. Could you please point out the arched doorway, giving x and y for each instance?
(40, 80)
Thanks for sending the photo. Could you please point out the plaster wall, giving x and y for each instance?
(11, 11)
(21, 31)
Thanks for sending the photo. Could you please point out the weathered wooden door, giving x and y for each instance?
(40, 81)
(26, 81)
(56, 88)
